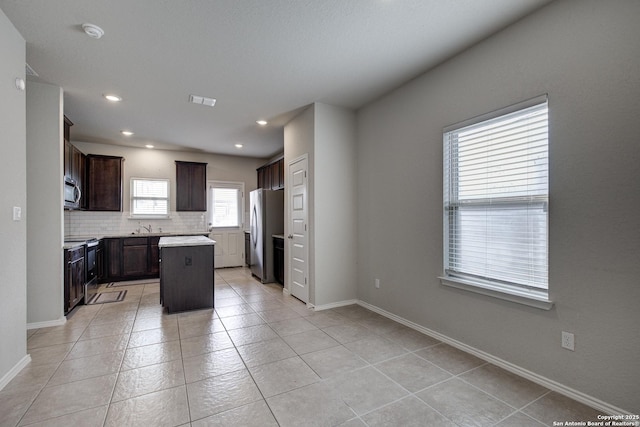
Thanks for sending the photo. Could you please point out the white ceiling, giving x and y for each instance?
(261, 59)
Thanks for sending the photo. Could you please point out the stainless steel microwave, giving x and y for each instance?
(72, 194)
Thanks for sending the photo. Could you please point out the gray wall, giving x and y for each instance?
(13, 251)
(327, 134)
(586, 56)
(334, 208)
(44, 197)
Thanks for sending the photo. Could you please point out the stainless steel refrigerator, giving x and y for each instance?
(267, 219)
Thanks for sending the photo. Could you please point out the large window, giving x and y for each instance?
(225, 204)
(149, 198)
(496, 200)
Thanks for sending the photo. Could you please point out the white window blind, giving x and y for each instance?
(225, 208)
(496, 199)
(149, 197)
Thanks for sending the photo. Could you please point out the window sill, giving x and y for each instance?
(149, 217)
(530, 298)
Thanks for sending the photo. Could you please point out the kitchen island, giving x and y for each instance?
(186, 273)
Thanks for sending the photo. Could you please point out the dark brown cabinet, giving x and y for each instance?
(112, 259)
(247, 248)
(104, 183)
(74, 163)
(187, 277)
(271, 176)
(68, 158)
(154, 254)
(135, 257)
(191, 183)
(131, 258)
(278, 259)
(74, 277)
(100, 261)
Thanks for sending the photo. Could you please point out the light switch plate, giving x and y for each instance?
(17, 213)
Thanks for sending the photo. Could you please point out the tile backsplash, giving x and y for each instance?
(98, 224)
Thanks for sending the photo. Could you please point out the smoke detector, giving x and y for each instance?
(93, 31)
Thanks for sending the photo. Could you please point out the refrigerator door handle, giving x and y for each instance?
(254, 227)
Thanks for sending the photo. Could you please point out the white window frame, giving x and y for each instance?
(210, 202)
(133, 198)
(497, 287)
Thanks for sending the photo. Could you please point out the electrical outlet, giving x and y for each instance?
(377, 283)
(568, 341)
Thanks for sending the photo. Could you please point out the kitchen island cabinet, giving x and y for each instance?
(186, 273)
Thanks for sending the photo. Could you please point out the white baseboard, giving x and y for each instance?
(335, 305)
(285, 291)
(531, 376)
(14, 371)
(47, 324)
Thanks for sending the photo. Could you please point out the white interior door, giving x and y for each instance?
(298, 230)
(226, 212)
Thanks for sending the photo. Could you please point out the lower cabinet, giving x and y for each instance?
(154, 256)
(247, 248)
(278, 259)
(135, 257)
(100, 261)
(112, 259)
(74, 277)
(130, 258)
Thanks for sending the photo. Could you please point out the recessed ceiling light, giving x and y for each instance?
(202, 100)
(149, 146)
(126, 132)
(113, 98)
(238, 145)
(93, 31)
(261, 122)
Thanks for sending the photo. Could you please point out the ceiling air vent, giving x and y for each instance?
(30, 71)
(202, 100)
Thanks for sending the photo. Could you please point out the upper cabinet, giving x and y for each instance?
(104, 183)
(191, 183)
(74, 163)
(271, 176)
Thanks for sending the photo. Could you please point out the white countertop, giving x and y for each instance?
(185, 241)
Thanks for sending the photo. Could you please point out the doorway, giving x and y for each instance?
(225, 215)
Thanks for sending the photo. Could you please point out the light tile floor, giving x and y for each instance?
(260, 359)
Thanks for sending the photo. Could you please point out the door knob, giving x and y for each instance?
(290, 236)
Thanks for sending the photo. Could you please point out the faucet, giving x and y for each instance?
(147, 228)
